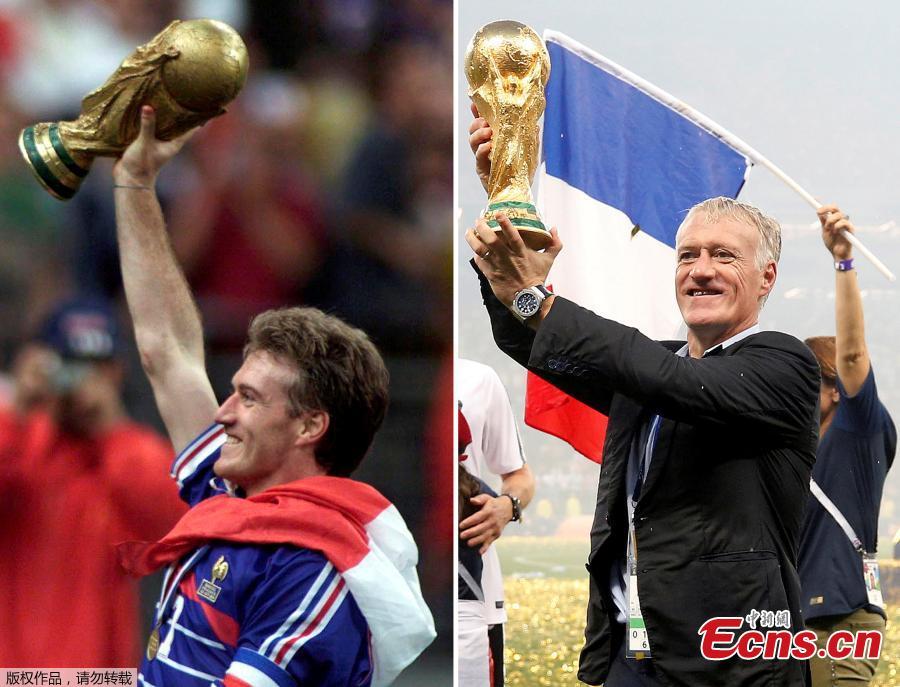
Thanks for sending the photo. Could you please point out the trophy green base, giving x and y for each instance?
(52, 165)
(524, 218)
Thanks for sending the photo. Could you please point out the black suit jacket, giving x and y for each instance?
(718, 522)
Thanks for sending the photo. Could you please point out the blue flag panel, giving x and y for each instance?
(624, 148)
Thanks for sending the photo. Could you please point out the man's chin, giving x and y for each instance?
(703, 321)
(226, 469)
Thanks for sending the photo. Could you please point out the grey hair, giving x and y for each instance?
(769, 247)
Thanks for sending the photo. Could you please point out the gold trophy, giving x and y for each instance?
(507, 67)
(188, 73)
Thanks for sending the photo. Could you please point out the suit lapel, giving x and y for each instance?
(628, 416)
(661, 450)
(665, 437)
(625, 415)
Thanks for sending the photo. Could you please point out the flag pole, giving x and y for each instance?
(855, 242)
(705, 122)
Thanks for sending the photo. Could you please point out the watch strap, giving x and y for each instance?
(516, 507)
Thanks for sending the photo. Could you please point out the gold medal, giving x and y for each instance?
(153, 644)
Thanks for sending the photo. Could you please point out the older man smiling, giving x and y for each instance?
(708, 451)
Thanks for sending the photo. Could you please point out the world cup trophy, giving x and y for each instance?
(187, 73)
(507, 67)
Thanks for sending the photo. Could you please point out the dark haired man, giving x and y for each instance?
(857, 442)
(310, 577)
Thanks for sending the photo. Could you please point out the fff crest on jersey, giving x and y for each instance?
(209, 590)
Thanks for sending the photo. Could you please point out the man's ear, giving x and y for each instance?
(311, 427)
(770, 273)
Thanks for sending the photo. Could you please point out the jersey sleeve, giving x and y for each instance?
(861, 413)
(301, 627)
(192, 469)
(500, 444)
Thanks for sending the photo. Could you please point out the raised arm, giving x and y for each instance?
(166, 321)
(504, 266)
(852, 356)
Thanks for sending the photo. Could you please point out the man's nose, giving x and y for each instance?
(225, 413)
(703, 267)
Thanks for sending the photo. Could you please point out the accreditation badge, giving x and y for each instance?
(638, 644)
(872, 577)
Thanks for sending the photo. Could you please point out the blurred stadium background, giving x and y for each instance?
(329, 182)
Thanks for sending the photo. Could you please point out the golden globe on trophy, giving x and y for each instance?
(187, 73)
(507, 67)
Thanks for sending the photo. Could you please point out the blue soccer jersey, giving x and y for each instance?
(244, 615)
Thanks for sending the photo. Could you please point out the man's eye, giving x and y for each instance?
(687, 257)
(723, 256)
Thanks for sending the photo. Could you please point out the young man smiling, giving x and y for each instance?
(306, 577)
(257, 427)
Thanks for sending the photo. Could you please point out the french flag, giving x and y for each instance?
(371, 555)
(622, 164)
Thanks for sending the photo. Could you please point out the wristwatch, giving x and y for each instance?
(527, 302)
(516, 505)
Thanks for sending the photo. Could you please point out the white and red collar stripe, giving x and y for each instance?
(199, 450)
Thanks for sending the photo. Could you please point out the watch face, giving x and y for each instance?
(527, 304)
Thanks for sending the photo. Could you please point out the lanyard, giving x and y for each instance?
(470, 582)
(871, 574)
(828, 505)
(638, 643)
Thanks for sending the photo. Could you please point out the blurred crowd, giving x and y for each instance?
(329, 182)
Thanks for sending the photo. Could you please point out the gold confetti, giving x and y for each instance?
(545, 633)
